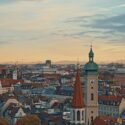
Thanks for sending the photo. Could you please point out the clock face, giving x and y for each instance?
(92, 81)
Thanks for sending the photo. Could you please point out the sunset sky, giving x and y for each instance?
(36, 30)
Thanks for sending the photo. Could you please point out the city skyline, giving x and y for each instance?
(35, 30)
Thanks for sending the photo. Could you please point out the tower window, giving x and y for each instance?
(83, 115)
(91, 59)
(92, 96)
(73, 115)
(92, 81)
(91, 119)
(78, 115)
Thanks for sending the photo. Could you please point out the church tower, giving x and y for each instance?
(15, 74)
(91, 89)
(78, 107)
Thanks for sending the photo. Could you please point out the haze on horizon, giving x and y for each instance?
(35, 30)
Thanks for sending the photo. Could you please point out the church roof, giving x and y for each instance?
(7, 82)
(78, 100)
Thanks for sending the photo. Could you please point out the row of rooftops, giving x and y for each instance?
(110, 100)
(36, 100)
(103, 100)
(106, 120)
(51, 113)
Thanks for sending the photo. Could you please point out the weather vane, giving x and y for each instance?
(91, 45)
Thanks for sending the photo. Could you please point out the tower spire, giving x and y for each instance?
(78, 100)
(91, 54)
(78, 106)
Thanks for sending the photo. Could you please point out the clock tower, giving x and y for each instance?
(91, 89)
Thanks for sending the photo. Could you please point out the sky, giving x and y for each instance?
(36, 30)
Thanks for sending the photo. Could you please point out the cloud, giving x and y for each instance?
(2, 2)
(101, 26)
(115, 23)
(112, 8)
(4, 42)
(49, 27)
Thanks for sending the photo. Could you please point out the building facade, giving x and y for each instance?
(111, 105)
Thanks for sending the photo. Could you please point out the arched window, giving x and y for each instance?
(92, 96)
(78, 115)
(82, 115)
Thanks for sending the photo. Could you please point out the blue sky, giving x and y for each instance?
(35, 30)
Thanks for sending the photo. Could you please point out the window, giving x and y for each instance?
(92, 96)
(78, 115)
(92, 81)
(91, 59)
(91, 119)
(73, 115)
(83, 115)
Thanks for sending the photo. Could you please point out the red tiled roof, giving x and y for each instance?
(99, 121)
(78, 100)
(3, 67)
(104, 120)
(110, 98)
(7, 82)
(122, 91)
(119, 79)
(54, 74)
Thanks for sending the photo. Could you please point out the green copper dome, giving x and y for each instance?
(91, 66)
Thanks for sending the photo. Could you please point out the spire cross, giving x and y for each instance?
(91, 45)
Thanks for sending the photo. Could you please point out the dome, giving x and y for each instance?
(91, 66)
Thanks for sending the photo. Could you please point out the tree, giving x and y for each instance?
(3, 121)
(29, 120)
